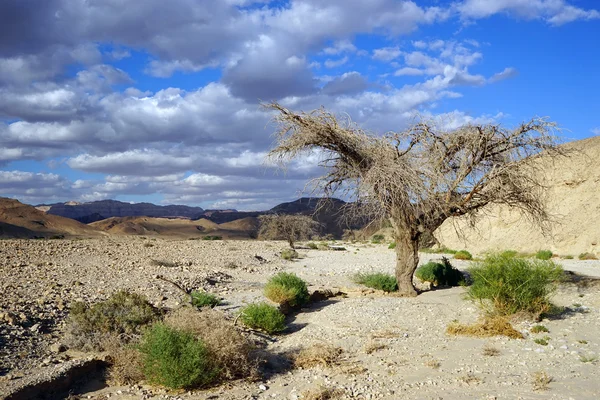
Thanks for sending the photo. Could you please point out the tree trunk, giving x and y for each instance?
(407, 259)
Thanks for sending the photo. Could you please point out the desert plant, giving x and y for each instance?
(541, 380)
(568, 257)
(420, 177)
(319, 354)
(175, 358)
(539, 329)
(287, 288)
(544, 255)
(490, 351)
(289, 254)
(587, 256)
(230, 351)
(378, 280)
(322, 393)
(463, 255)
(440, 273)
(490, 326)
(203, 299)
(439, 250)
(377, 239)
(122, 313)
(392, 245)
(312, 245)
(263, 316)
(212, 237)
(542, 341)
(287, 227)
(588, 359)
(510, 285)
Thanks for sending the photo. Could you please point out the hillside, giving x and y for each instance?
(24, 221)
(98, 210)
(181, 228)
(573, 200)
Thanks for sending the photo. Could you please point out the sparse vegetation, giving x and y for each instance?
(463, 255)
(440, 273)
(439, 250)
(212, 237)
(392, 245)
(203, 299)
(312, 245)
(372, 347)
(490, 351)
(287, 288)
(506, 285)
(544, 255)
(263, 316)
(124, 313)
(322, 393)
(541, 380)
(588, 359)
(568, 257)
(319, 354)
(587, 256)
(542, 341)
(490, 326)
(176, 358)
(287, 227)
(435, 364)
(539, 329)
(289, 254)
(377, 239)
(378, 280)
(164, 263)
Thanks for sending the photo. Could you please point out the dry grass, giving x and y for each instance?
(435, 364)
(126, 362)
(319, 354)
(490, 351)
(541, 380)
(372, 347)
(470, 379)
(322, 393)
(231, 351)
(491, 326)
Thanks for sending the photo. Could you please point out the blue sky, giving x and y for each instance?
(160, 101)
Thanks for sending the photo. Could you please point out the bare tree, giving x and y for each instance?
(422, 176)
(287, 227)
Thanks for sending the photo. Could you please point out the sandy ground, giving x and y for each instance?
(417, 359)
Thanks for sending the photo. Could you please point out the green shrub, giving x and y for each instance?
(440, 273)
(587, 256)
(175, 358)
(263, 316)
(203, 299)
(287, 288)
(568, 257)
(212, 237)
(463, 255)
(511, 284)
(392, 245)
(376, 239)
(379, 281)
(538, 329)
(123, 313)
(542, 341)
(544, 255)
(509, 253)
(441, 250)
(289, 254)
(312, 245)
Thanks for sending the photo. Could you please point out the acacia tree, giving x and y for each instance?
(287, 227)
(420, 177)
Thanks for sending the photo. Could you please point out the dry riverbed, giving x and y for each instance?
(392, 348)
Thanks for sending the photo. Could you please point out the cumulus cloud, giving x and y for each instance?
(507, 73)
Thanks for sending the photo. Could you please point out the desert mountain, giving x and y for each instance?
(173, 227)
(573, 200)
(98, 210)
(24, 221)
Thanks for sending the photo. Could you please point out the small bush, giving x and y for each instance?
(287, 288)
(212, 237)
(587, 256)
(379, 281)
(509, 253)
(440, 273)
(377, 239)
(289, 254)
(541, 380)
(463, 255)
(544, 255)
(511, 284)
(542, 341)
(123, 313)
(230, 351)
(392, 245)
(320, 354)
(175, 358)
(441, 250)
(263, 316)
(539, 329)
(312, 245)
(203, 299)
(322, 393)
(568, 257)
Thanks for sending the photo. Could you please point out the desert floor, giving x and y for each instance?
(414, 357)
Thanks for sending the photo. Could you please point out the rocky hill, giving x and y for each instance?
(573, 200)
(25, 221)
(98, 210)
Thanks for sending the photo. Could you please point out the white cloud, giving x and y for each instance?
(508, 72)
(386, 53)
(408, 71)
(336, 63)
(596, 131)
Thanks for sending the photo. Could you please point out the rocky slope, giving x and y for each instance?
(24, 221)
(573, 200)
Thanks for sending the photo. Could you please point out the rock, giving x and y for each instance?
(57, 348)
